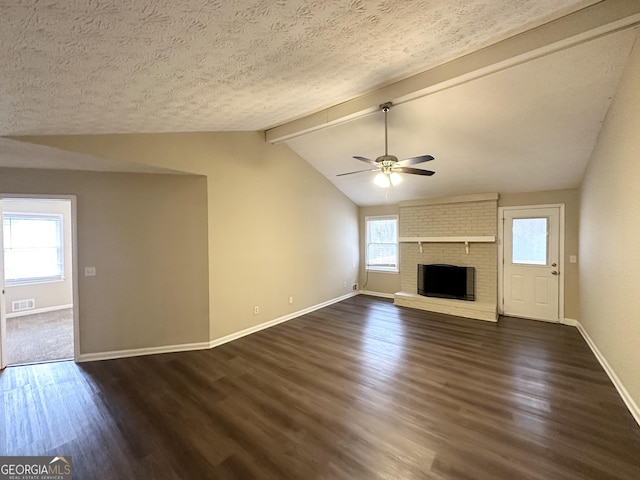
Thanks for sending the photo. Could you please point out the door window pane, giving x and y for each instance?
(529, 241)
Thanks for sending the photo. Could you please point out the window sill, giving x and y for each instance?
(28, 283)
(382, 270)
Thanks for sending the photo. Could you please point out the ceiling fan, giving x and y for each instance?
(388, 166)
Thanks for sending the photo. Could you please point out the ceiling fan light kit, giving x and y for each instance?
(386, 180)
(388, 166)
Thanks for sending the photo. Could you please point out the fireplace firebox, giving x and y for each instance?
(446, 281)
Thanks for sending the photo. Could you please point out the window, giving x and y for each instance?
(529, 241)
(382, 243)
(32, 248)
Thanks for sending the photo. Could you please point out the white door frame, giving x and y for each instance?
(74, 269)
(501, 211)
(3, 310)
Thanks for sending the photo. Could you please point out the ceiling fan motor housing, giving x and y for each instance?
(387, 160)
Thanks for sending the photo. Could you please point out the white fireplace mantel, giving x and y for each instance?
(463, 239)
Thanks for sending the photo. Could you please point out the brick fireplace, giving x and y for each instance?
(453, 230)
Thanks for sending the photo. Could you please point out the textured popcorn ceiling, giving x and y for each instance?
(108, 66)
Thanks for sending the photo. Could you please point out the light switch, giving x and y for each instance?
(89, 271)
(573, 259)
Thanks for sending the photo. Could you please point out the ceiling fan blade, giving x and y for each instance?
(415, 171)
(359, 171)
(414, 160)
(364, 159)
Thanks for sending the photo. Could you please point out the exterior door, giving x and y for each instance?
(531, 263)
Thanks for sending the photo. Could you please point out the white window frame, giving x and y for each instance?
(381, 268)
(58, 218)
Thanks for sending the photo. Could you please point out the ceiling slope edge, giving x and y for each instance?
(25, 154)
(592, 22)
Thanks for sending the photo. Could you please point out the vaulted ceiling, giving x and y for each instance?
(110, 66)
(531, 127)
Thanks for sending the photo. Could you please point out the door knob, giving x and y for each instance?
(555, 273)
(554, 264)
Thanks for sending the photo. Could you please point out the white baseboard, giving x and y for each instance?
(376, 294)
(90, 357)
(136, 352)
(624, 394)
(276, 321)
(569, 321)
(37, 310)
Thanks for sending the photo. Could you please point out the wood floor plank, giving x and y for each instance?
(361, 389)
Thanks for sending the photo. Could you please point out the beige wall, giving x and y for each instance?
(378, 282)
(609, 232)
(277, 227)
(47, 294)
(147, 237)
(571, 200)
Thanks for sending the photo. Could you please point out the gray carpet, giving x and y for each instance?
(41, 337)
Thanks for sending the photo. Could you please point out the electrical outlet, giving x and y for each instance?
(290, 300)
(256, 310)
(354, 287)
(344, 284)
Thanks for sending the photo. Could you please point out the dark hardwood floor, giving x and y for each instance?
(358, 390)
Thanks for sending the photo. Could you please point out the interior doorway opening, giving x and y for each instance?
(38, 275)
